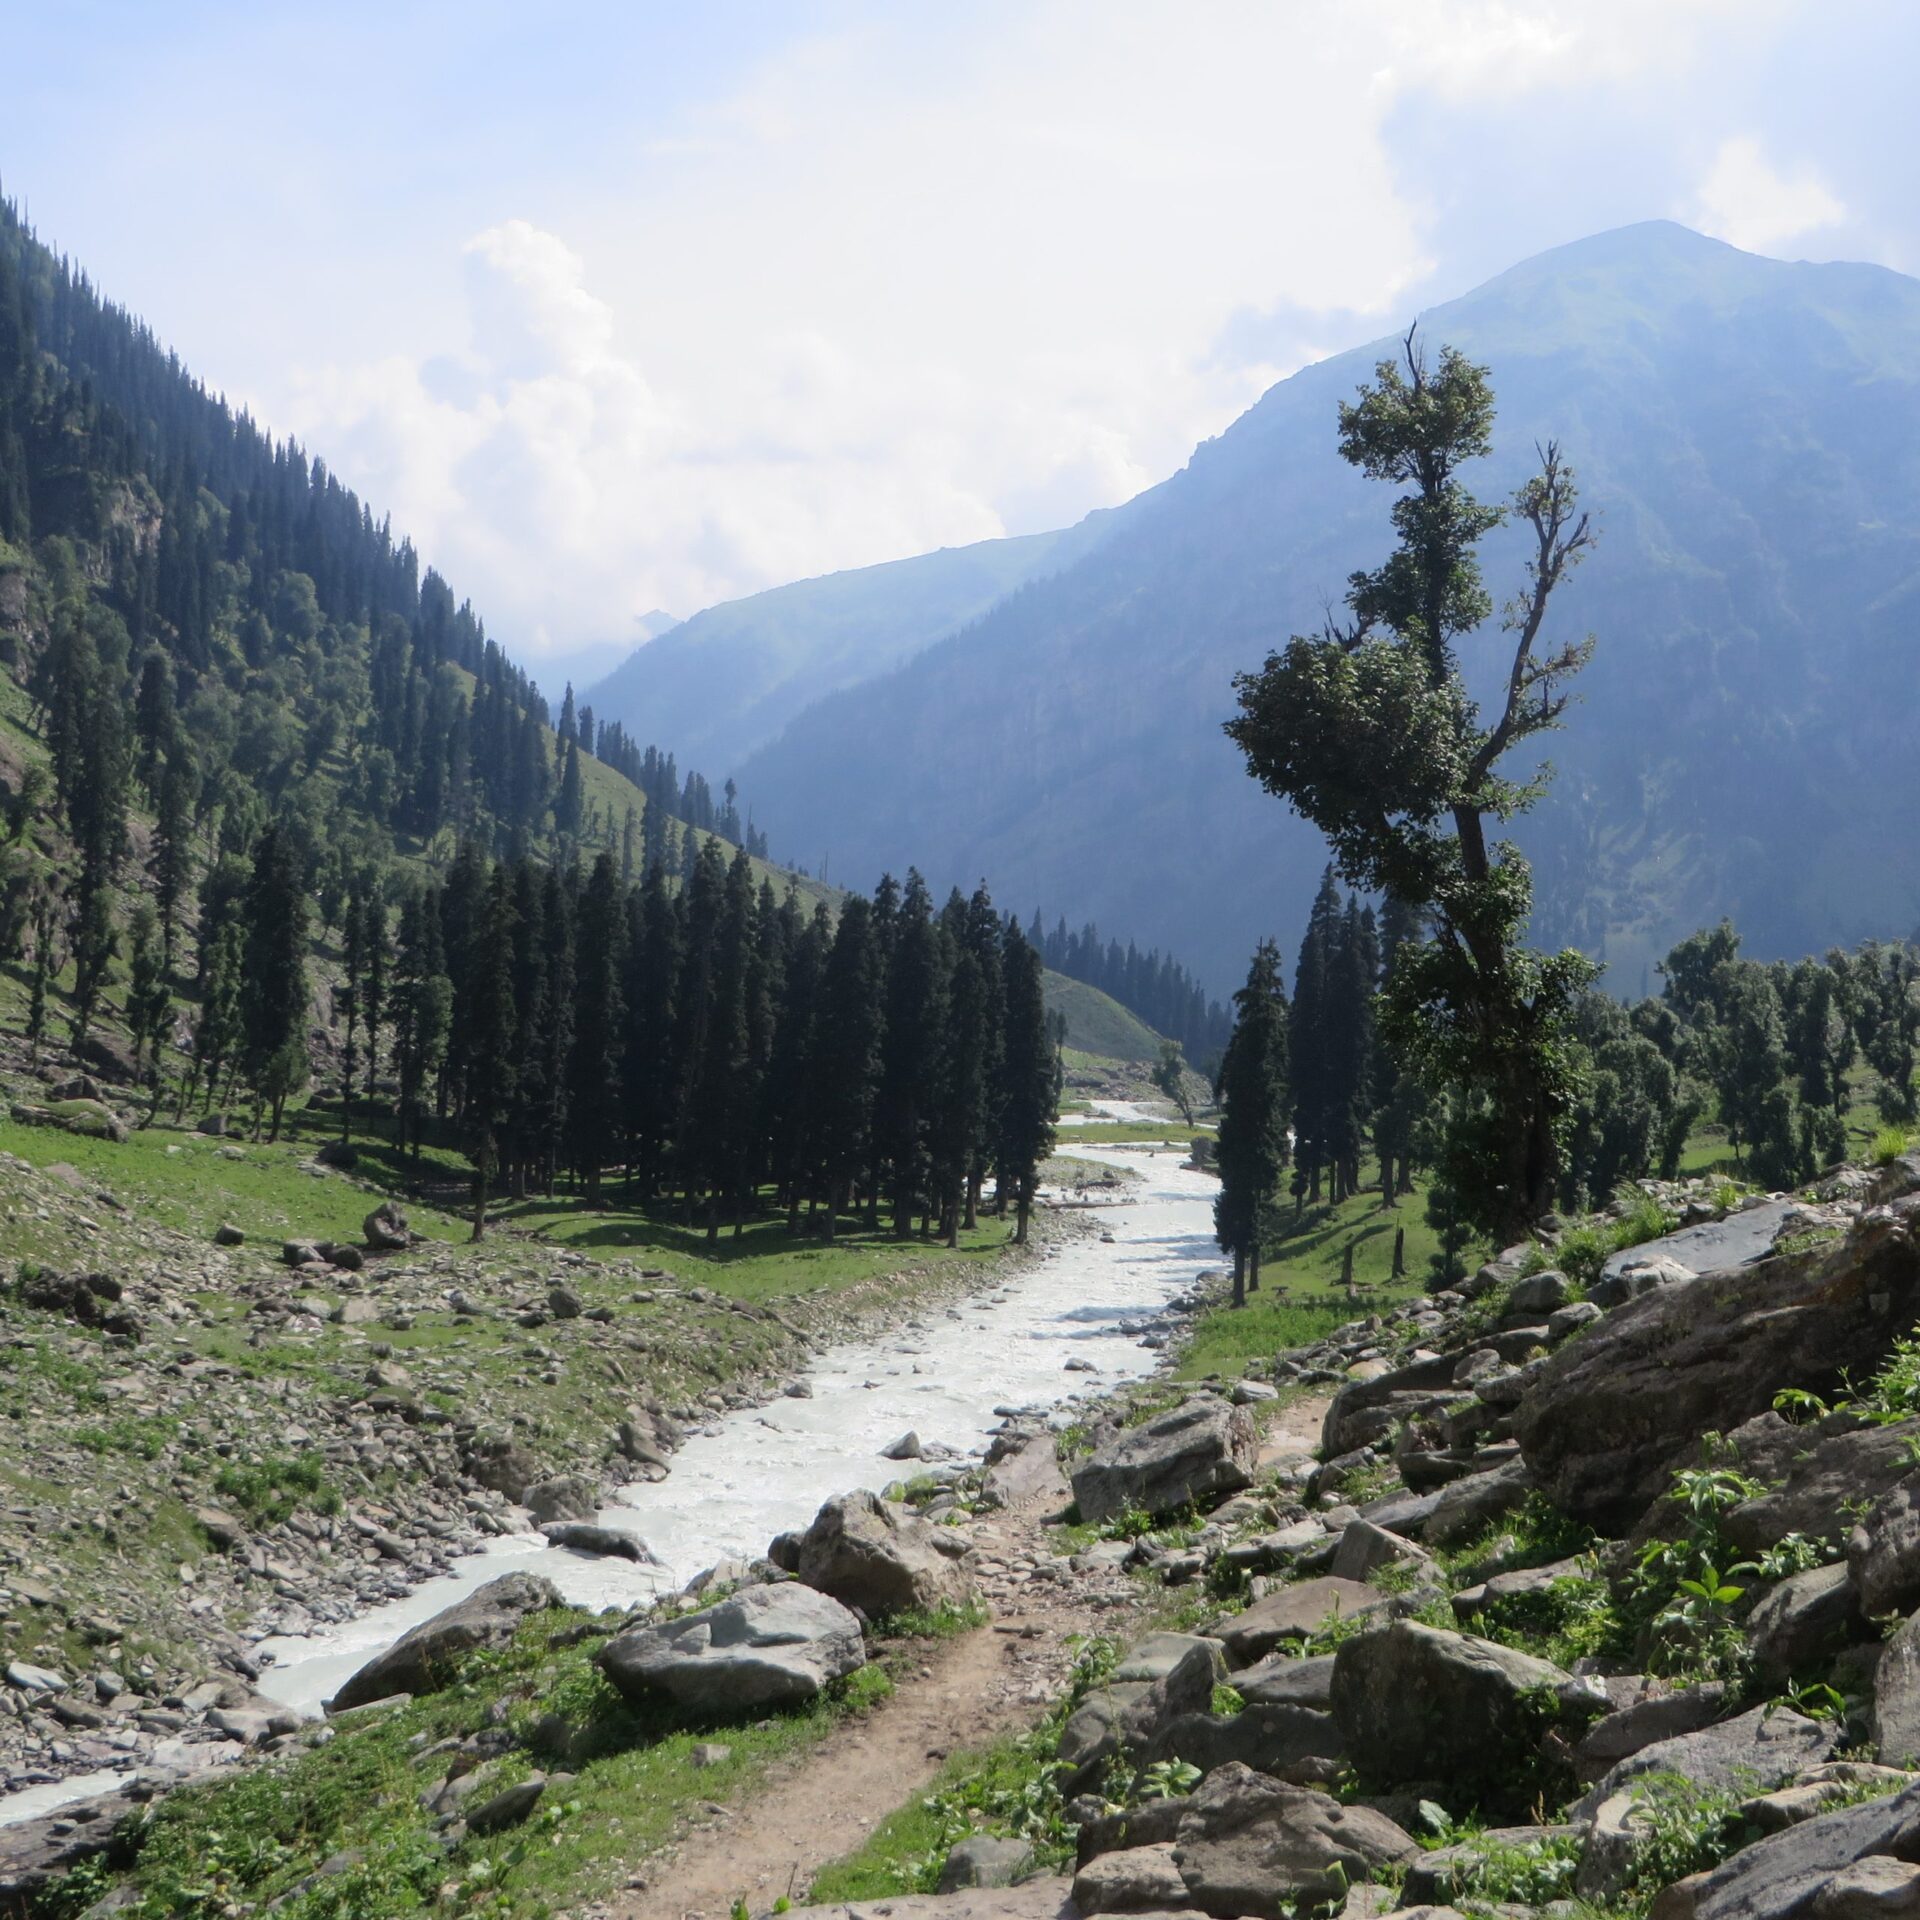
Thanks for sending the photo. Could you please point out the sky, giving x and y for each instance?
(641, 306)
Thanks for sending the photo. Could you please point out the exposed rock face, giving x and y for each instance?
(1805, 1618)
(34, 1854)
(1818, 1468)
(1896, 1696)
(984, 1861)
(1132, 1880)
(1883, 1551)
(1417, 1705)
(1194, 1453)
(1607, 1418)
(420, 1661)
(1168, 1676)
(1747, 1754)
(868, 1555)
(765, 1647)
(1248, 1845)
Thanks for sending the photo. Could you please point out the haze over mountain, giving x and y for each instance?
(1747, 431)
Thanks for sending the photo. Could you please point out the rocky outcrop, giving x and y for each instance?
(423, 1659)
(1607, 1418)
(869, 1555)
(1198, 1452)
(768, 1646)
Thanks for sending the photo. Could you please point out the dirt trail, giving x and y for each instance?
(964, 1692)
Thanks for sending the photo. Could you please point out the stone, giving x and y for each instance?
(907, 1447)
(1468, 1506)
(1647, 1273)
(709, 1753)
(1662, 1716)
(1363, 1548)
(584, 1536)
(1607, 1418)
(501, 1463)
(1877, 1885)
(1570, 1319)
(299, 1253)
(422, 1660)
(1294, 1613)
(868, 1554)
(1196, 1452)
(1250, 1846)
(385, 1229)
(1883, 1551)
(1166, 1681)
(337, 1153)
(1043, 1899)
(1748, 1754)
(1504, 1588)
(1286, 1680)
(564, 1496)
(1289, 1743)
(1782, 1876)
(224, 1529)
(31, 1679)
(1815, 1793)
(1804, 1621)
(563, 1303)
(1416, 1705)
(1896, 1696)
(347, 1259)
(1812, 1471)
(1540, 1293)
(1133, 1880)
(226, 1234)
(983, 1860)
(36, 1854)
(763, 1647)
(507, 1808)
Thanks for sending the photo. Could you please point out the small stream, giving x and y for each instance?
(949, 1375)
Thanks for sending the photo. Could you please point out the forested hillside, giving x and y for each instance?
(1746, 432)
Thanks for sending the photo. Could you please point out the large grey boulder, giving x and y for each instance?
(1804, 1622)
(1896, 1696)
(422, 1660)
(1468, 1506)
(1168, 1676)
(1629, 1729)
(984, 1860)
(1251, 1846)
(36, 1854)
(1789, 1874)
(767, 1646)
(1288, 1743)
(1368, 1409)
(1133, 1880)
(1607, 1418)
(1286, 1680)
(1046, 1899)
(1814, 1472)
(1196, 1452)
(565, 1496)
(1883, 1551)
(1419, 1706)
(1745, 1755)
(1295, 1613)
(869, 1555)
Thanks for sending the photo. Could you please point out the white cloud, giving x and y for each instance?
(1745, 200)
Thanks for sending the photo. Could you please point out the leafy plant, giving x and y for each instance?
(1888, 1145)
(1169, 1780)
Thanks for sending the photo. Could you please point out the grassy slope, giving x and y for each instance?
(1099, 1025)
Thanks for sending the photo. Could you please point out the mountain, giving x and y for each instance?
(1748, 433)
(725, 682)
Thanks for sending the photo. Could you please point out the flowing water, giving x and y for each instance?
(946, 1376)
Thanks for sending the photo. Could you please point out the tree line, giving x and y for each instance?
(1153, 986)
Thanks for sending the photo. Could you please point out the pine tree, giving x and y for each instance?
(173, 840)
(593, 1079)
(346, 999)
(1253, 1094)
(220, 1032)
(488, 1075)
(274, 984)
(1311, 1051)
(1030, 1080)
(148, 1000)
(847, 1057)
(910, 1050)
(422, 1015)
(647, 1071)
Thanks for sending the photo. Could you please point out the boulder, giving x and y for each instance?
(1365, 1410)
(342, 1154)
(868, 1554)
(1607, 1418)
(226, 1234)
(422, 1660)
(1167, 1676)
(1790, 1874)
(1417, 1706)
(1197, 1451)
(499, 1462)
(764, 1647)
(1745, 1755)
(1469, 1506)
(1804, 1622)
(385, 1229)
(1883, 1551)
(1133, 1880)
(564, 1496)
(36, 1854)
(1286, 1680)
(1896, 1696)
(1660, 1716)
(1289, 1743)
(907, 1447)
(1813, 1472)
(1293, 1614)
(1540, 1293)
(983, 1860)
(1363, 1548)
(1044, 1899)
(1247, 1845)
(584, 1536)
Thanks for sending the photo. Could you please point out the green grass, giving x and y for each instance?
(1099, 1025)
(1122, 1133)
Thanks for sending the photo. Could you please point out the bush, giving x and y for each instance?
(272, 1488)
(1888, 1145)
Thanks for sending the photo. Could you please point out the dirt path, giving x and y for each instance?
(964, 1693)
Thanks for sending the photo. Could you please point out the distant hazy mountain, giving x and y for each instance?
(1749, 740)
(725, 682)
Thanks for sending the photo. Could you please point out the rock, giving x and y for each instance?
(299, 1253)
(1883, 1551)
(1896, 1696)
(867, 1554)
(1878, 1885)
(1133, 1880)
(1294, 1613)
(1468, 1506)
(1812, 1472)
(564, 1496)
(1570, 1319)
(763, 1647)
(499, 1462)
(1170, 1675)
(385, 1229)
(1662, 1716)
(337, 1153)
(1195, 1452)
(31, 1679)
(1818, 1792)
(422, 1660)
(1503, 1588)
(214, 1125)
(1247, 1845)
(89, 1118)
(90, 1299)
(1540, 1293)
(1621, 1827)
(563, 1303)
(1285, 1680)
(1748, 1754)
(709, 1753)
(226, 1234)
(1289, 1743)
(1416, 1705)
(1784, 1875)
(583, 1536)
(347, 1259)
(1642, 1274)
(982, 1860)
(1805, 1620)
(1363, 1548)
(36, 1854)
(224, 1529)
(1607, 1418)
(1045, 1899)
(508, 1808)
(907, 1447)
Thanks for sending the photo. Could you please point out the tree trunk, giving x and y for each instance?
(1253, 1268)
(1239, 1277)
(1346, 1269)
(1399, 1253)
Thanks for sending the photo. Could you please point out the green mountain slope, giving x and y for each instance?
(1098, 1024)
(1748, 432)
